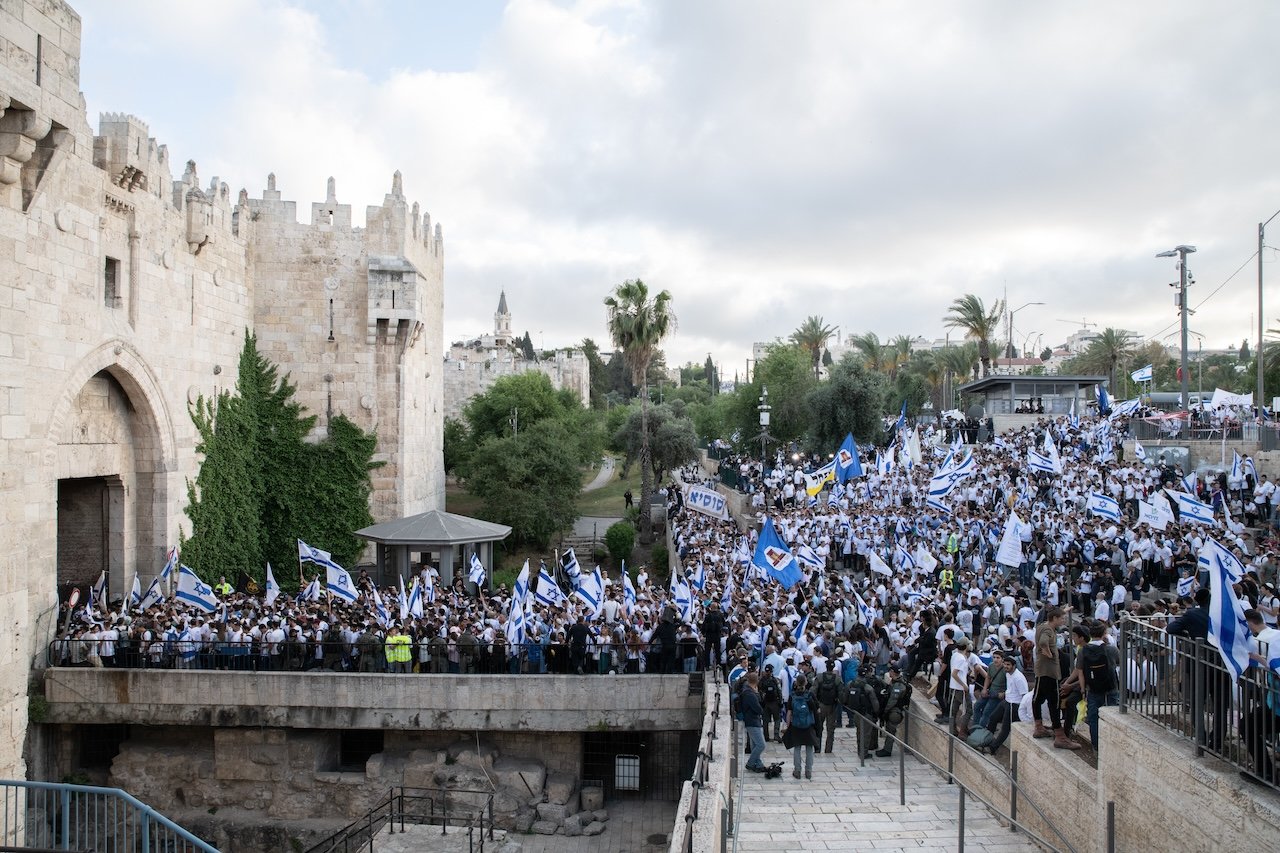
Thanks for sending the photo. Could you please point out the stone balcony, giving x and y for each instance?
(326, 700)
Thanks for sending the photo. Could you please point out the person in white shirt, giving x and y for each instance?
(959, 684)
(1015, 687)
(1102, 610)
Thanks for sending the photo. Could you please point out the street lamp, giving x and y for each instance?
(1262, 228)
(764, 437)
(1181, 252)
(1008, 352)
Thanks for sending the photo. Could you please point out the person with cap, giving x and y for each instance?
(770, 691)
(960, 705)
(894, 702)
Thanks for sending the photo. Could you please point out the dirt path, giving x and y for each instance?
(602, 477)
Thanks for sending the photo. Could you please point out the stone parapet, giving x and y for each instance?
(543, 703)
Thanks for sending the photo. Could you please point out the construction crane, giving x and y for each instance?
(1084, 324)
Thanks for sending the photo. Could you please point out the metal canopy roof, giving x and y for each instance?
(436, 527)
(989, 384)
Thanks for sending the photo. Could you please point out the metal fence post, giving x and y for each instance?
(951, 759)
(724, 828)
(960, 837)
(1124, 665)
(146, 834)
(66, 821)
(1013, 791)
(1111, 826)
(902, 773)
(1197, 700)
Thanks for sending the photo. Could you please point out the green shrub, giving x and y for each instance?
(620, 539)
(660, 560)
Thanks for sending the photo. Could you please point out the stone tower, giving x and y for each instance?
(502, 323)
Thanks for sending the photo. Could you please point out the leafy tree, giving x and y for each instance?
(875, 355)
(336, 503)
(852, 400)
(637, 325)
(899, 353)
(457, 444)
(530, 396)
(620, 380)
(599, 373)
(827, 360)
(1244, 350)
(786, 372)
(526, 348)
(1111, 349)
(529, 481)
(1046, 353)
(620, 539)
(979, 324)
(812, 336)
(713, 378)
(673, 441)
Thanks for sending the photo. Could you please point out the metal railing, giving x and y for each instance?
(701, 773)
(55, 816)
(416, 807)
(482, 659)
(1016, 793)
(1183, 685)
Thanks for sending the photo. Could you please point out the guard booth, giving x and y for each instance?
(1005, 395)
(445, 538)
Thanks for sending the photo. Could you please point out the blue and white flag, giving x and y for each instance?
(521, 588)
(1072, 418)
(847, 463)
(477, 570)
(726, 597)
(1249, 470)
(762, 640)
(806, 556)
(273, 588)
(1125, 409)
(98, 592)
(339, 583)
(866, 615)
(1142, 374)
(902, 419)
(1103, 505)
(1227, 627)
(774, 558)
(380, 610)
(135, 593)
(937, 504)
(1104, 401)
(516, 626)
(877, 564)
(569, 562)
(682, 598)
(170, 564)
(1190, 509)
(1185, 585)
(195, 592)
(941, 484)
(797, 634)
(549, 592)
(1237, 471)
(403, 601)
(1139, 451)
(307, 554)
(311, 592)
(590, 591)
(699, 579)
(153, 597)
(629, 590)
(415, 599)
(1189, 483)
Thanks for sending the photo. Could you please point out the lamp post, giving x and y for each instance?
(1181, 252)
(764, 438)
(1262, 229)
(1008, 351)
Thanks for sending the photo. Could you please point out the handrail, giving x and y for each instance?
(701, 770)
(964, 789)
(148, 816)
(372, 822)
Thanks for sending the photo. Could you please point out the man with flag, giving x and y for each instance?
(774, 558)
(847, 463)
(477, 573)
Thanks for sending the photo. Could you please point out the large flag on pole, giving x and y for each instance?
(273, 588)
(847, 463)
(154, 595)
(549, 591)
(1228, 630)
(338, 581)
(1103, 505)
(1142, 374)
(170, 564)
(1190, 509)
(135, 593)
(193, 591)
(477, 570)
(774, 558)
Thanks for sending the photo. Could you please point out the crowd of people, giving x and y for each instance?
(998, 598)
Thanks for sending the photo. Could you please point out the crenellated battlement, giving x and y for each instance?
(131, 157)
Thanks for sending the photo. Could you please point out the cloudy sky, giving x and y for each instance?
(763, 161)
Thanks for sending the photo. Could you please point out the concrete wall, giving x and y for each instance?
(717, 790)
(548, 703)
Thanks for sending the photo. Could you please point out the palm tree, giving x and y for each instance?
(1106, 352)
(874, 354)
(637, 325)
(813, 335)
(899, 353)
(957, 361)
(979, 324)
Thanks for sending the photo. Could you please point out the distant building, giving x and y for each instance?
(472, 366)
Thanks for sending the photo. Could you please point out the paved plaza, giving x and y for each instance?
(847, 807)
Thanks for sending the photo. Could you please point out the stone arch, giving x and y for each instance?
(130, 458)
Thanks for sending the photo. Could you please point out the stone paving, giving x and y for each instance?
(848, 807)
(634, 826)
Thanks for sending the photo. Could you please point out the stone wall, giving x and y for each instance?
(124, 297)
(326, 700)
(465, 379)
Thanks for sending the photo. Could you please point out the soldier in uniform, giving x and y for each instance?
(862, 695)
(895, 699)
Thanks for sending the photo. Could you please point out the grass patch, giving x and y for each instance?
(607, 502)
(458, 499)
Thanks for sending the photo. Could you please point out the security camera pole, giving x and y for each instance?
(1181, 252)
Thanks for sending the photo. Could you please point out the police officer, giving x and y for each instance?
(895, 699)
(222, 588)
(862, 695)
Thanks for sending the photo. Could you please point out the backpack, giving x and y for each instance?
(849, 670)
(979, 737)
(801, 715)
(769, 690)
(1099, 677)
(861, 697)
(828, 688)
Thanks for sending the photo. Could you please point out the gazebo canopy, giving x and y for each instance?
(436, 528)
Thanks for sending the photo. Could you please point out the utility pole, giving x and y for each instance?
(515, 422)
(1181, 252)
(1262, 229)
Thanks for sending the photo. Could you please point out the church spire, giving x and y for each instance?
(502, 303)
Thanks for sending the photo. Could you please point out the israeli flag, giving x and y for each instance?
(99, 590)
(1237, 472)
(590, 591)
(726, 597)
(1104, 401)
(415, 599)
(135, 594)
(477, 570)
(937, 504)
(1072, 418)
(521, 589)
(273, 588)
(903, 557)
(699, 579)
(1249, 470)
(1227, 627)
(195, 592)
(403, 601)
(847, 463)
(1142, 374)
(311, 592)
(1189, 483)
(902, 419)
(761, 641)
(797, 635)
(1139, 451)
(774, 558)
(1190, 509)
(1128, 407)
(1185, 586)
(569, 562)
(1103, 505)
(380, 610)
(153, 597)
(878, 565)
(307, 554)
(338, 582)
(682, 598)
(516, 626)
(806, 556)
(549, 592)
(629, 590)
(865, 614)
(170, 564)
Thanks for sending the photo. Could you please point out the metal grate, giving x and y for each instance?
(626, 773)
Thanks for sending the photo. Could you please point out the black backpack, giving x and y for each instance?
(769, 690)
(1099, 677)
(828, 688)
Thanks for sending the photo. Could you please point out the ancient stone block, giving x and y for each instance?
(545, 827)
(551, 811)
(593, 828)
(560, 787)
(520, 774)
(592, 798)
(602, 815)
